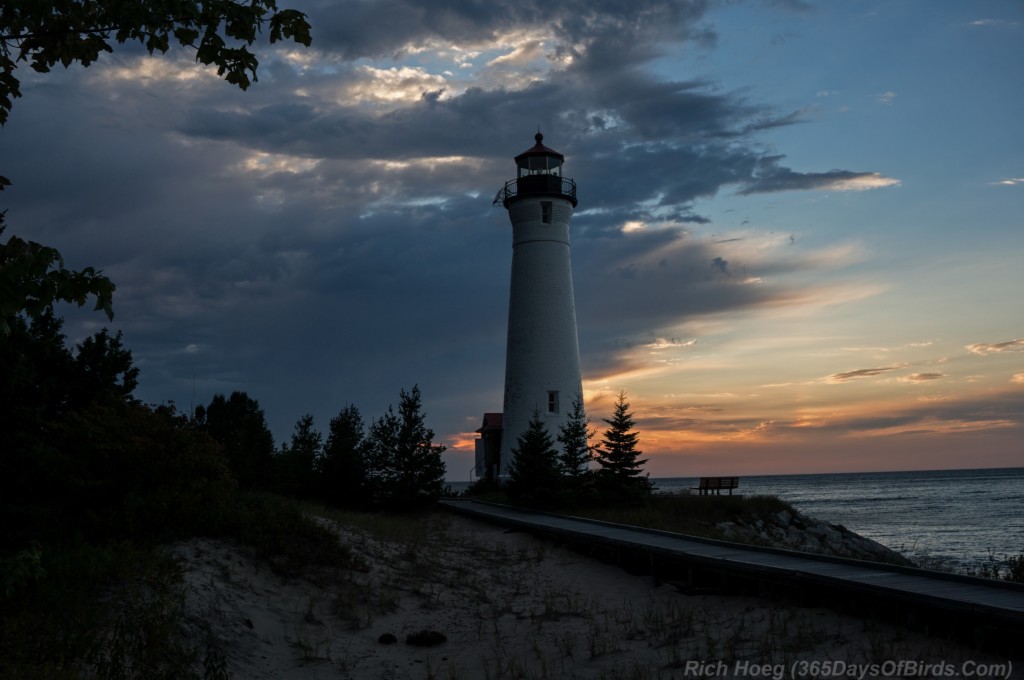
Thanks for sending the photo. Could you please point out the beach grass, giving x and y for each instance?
(114, 609)
(686, 514)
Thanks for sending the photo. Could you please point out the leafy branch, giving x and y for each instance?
(44, 33)
(33, 278)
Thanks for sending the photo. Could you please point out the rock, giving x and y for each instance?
(425, 638)
(794, 536)
(794, 531)
(387, 639)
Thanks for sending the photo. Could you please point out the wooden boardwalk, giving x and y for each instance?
(983, 610)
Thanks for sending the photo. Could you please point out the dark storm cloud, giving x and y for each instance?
(630, 287)
(274, 242)
(620, 31)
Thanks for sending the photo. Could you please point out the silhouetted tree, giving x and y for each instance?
(296, 463)
(104, 364)
(240, 427)
(381, 448)
(403, 465)
(619, 458)
(534, 474)
(418, 464)
(574, 435)
(342, 466)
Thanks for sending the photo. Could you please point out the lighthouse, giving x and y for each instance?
(542, 358)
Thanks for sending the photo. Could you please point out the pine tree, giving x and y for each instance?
(342, 467)
(619, 456)
(381, 445)
(534, 477)
(574, 436)
(297, 463)
(418, 464)
(403, 465)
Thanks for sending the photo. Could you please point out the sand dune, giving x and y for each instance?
(512, 606)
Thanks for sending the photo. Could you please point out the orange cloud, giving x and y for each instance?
(996, 347)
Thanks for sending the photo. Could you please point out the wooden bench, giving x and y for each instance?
(716, 484)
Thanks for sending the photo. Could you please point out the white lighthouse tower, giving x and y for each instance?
(542, 360)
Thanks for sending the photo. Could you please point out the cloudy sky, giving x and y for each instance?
(798, 245)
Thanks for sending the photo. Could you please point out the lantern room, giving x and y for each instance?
(539, 160)
(539, 173)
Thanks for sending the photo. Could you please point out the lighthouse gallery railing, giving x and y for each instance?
(536, 185)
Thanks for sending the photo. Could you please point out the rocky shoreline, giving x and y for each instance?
(796, 531)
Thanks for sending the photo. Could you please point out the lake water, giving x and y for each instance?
(953, 519)
(950, 519)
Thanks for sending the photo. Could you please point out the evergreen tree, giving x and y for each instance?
(574, 436)
(381, 445)
(619, 457)
(419, 469)
(534, 476)
(403, 465)
(342, 467)
(297, 463)
(240, 427)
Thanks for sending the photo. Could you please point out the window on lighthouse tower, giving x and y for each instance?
(545, 212)
(553, 402)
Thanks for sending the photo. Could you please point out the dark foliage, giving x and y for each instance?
(220, 31)
(404, 468)
(419, 467)
(80, 457)
(238, 424)
(381, 448)
(295, 466)
(130, 471)
(618, 477)
(574, 459)
(33, 278)
(342, 468)
(534, 475)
